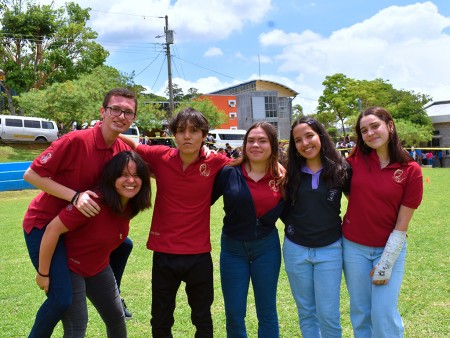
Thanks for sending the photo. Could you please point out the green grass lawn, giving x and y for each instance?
(424, 300)
(20, 152)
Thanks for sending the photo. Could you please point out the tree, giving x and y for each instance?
(297, 111)
(150, 115)
(192, 94)
(78, 100)
(412, 134)
(343, 98)
(337, 99)
(42, 46)
(214, 115)
(178, 94)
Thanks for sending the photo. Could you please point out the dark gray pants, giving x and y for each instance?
(102, 291)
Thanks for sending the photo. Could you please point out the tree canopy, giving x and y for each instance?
(42, 45)
(75, 100)
(343, 98)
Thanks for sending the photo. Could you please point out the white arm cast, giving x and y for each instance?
(390, 254)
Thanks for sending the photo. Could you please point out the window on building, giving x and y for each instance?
(270, 103)
(232, 116)
(275, 124)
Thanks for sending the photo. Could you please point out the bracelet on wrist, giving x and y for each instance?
(42, 275)
(75, 198)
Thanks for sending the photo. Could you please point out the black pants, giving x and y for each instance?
(102, 291)
(168, 271)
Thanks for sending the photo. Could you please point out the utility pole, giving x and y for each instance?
(169, 41)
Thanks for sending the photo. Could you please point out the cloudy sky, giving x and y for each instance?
(219, 43)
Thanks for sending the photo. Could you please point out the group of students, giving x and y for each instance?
(382, 182)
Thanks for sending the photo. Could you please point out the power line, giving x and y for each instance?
(160, 69)
(148, 65)
(194, 64)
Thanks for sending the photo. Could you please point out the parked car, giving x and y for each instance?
(234, 137)
(24, 128)
(166, 141)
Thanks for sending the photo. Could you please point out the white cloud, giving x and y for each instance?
(190, 19)
(213, 51)
(406, 46)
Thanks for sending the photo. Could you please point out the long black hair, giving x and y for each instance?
(112, 171)
(396, 151)
(333, 163)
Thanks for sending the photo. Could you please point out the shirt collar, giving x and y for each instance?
(306, 170)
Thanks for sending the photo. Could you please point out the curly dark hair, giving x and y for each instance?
(333, 163)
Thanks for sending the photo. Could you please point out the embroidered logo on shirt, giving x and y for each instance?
(273, 185)
(44, 158)
(204, 170)
(398, 176)
(331, 194)
(290, 229)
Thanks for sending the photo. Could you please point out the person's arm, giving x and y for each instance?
(381, 273)
(128, 141)
(83, 202)
(48, 244)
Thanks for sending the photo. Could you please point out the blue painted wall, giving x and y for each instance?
(11, 176)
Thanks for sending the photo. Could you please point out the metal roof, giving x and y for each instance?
(439, 111)
(263, 85)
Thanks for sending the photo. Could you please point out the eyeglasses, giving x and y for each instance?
(116, 111)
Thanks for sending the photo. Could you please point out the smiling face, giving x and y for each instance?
(375, 132)
(258, 148)
(129, 183)
(117, 124)
(307, 142)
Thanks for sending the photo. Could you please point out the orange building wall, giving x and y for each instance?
(221, 102)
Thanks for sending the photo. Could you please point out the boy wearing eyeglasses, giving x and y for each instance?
(65, 172)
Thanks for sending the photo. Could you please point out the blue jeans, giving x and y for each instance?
(118, 259)
(59, 296)
(102, 291)
(373, 308)
(315, 276)
(258, 261)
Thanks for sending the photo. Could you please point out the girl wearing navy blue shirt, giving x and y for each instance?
(312, 249)
(250, 245)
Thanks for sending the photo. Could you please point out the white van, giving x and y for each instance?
(235, 137)
(23, 128)
(133, 133)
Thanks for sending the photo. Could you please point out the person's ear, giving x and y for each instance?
(391, 126)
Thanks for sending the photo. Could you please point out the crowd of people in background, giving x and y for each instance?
(434, 158)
